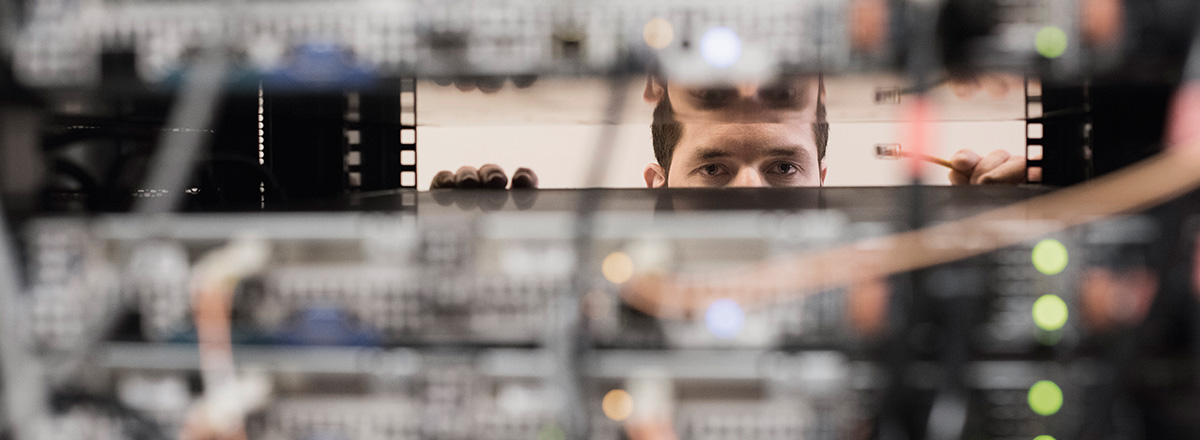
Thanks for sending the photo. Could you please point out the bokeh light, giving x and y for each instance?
(617, 405)
(720, 47)
(1049, 338)
(1045, 398)
(724, 318)
(551, 432)
(1043, 437)
(1050, 312)
(1049, 256)
(658, 33)
(617, 267)
(1051, 42)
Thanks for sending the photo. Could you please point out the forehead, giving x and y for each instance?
(743, 139)
(746, 108)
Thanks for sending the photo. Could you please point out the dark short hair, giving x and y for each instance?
(666, 130)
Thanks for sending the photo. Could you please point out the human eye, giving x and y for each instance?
(710, 170)
(781, 95)
(713, 97)
(784, 168)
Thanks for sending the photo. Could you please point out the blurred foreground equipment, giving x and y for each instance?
(214, 232)
(439, 325)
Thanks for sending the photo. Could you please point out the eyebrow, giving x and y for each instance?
(798, 103)
(709, 105)
(708, 153)
(711, 153)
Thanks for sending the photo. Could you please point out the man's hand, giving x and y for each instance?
(998, 167)
(997, 85)
(485, 84)
(488, 176)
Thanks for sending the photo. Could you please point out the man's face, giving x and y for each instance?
(748, 135)
(745, 155)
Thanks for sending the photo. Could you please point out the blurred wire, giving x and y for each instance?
(136, 424)
(221, 411)
(1191, 68)
(565, 341)
(10, 12)
(1143, 185)
(171, 167)
(947, 418)
(1184, 115)
(25, 401)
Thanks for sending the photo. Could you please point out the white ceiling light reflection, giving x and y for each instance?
(721, 47)
(724, 318)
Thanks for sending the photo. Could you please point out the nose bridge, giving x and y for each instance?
(748, 177)
(747, 89)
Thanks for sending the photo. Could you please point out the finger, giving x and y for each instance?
(964, 161)
(990, 162)
(443, 81)
(524, 178)
(493, 176)
(957, 178)
(996, 85)
(467, 177)
(1015, 82)
(1011, 171)
(523, 81)
(490, 84)
(964, 87)
(465, 84)
(443, 179)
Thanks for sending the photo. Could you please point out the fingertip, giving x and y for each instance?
(495, 181)
(467, 177)
(957, 178)
(998, 154)
(964, 160)
(443, 179)
(490, 85)
(964, 88)
(996, 86)
(523, 81)
(493, 176)
(1012, 171)
(465, 84)
(524, 178)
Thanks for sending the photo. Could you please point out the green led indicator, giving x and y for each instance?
(1043, 437)
(1045, 398)
(1051, 42)
(551, 432)
(1049, 338)
(1049, 256)
(1050, 313)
